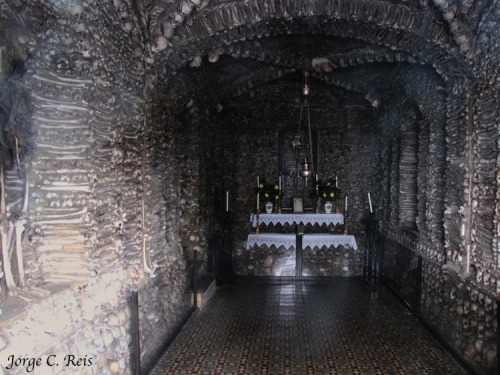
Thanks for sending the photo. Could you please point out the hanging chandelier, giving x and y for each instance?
(303, 150)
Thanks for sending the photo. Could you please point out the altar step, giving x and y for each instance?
(206, 287)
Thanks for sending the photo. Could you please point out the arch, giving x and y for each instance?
(376, 23)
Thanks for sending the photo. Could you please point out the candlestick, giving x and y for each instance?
(258, 193)
(257, 229)
(370, 202)
(346, 214)
(227, 200)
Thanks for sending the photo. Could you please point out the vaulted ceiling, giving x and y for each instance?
(352, 45)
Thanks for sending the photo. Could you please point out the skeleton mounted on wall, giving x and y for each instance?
(14, 182)
(15, 141)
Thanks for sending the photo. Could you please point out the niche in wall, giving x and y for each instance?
(408, 173)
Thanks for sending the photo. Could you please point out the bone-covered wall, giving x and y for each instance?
(103, 210)
(462, 311)
(123, 123)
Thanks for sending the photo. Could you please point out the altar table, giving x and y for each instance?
(313, 218)
(308, 240)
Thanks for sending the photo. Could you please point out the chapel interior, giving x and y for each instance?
(138, 138)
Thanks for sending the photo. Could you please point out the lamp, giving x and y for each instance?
(305, 167)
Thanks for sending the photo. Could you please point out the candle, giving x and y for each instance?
(336, 182)
(279, 182)
(227, 200)
(370, 202)
(345, 203)
(257, 181)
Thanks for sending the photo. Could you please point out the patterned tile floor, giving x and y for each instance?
(342, 326)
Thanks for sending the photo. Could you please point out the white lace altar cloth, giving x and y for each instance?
(309, 241)
(320, 219)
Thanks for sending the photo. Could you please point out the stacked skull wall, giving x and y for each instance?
(484, 156)
(442, 199)
(101, 176)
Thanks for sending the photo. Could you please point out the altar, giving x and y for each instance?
(321, 254)
(323, 248)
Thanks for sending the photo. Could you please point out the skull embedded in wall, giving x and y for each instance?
(214, 55)
(160, 44)
(72, 8)
(168, 30)
(61, 62)
(79, 64)
(85, 48)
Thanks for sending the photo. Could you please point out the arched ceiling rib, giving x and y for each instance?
(284, 36)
